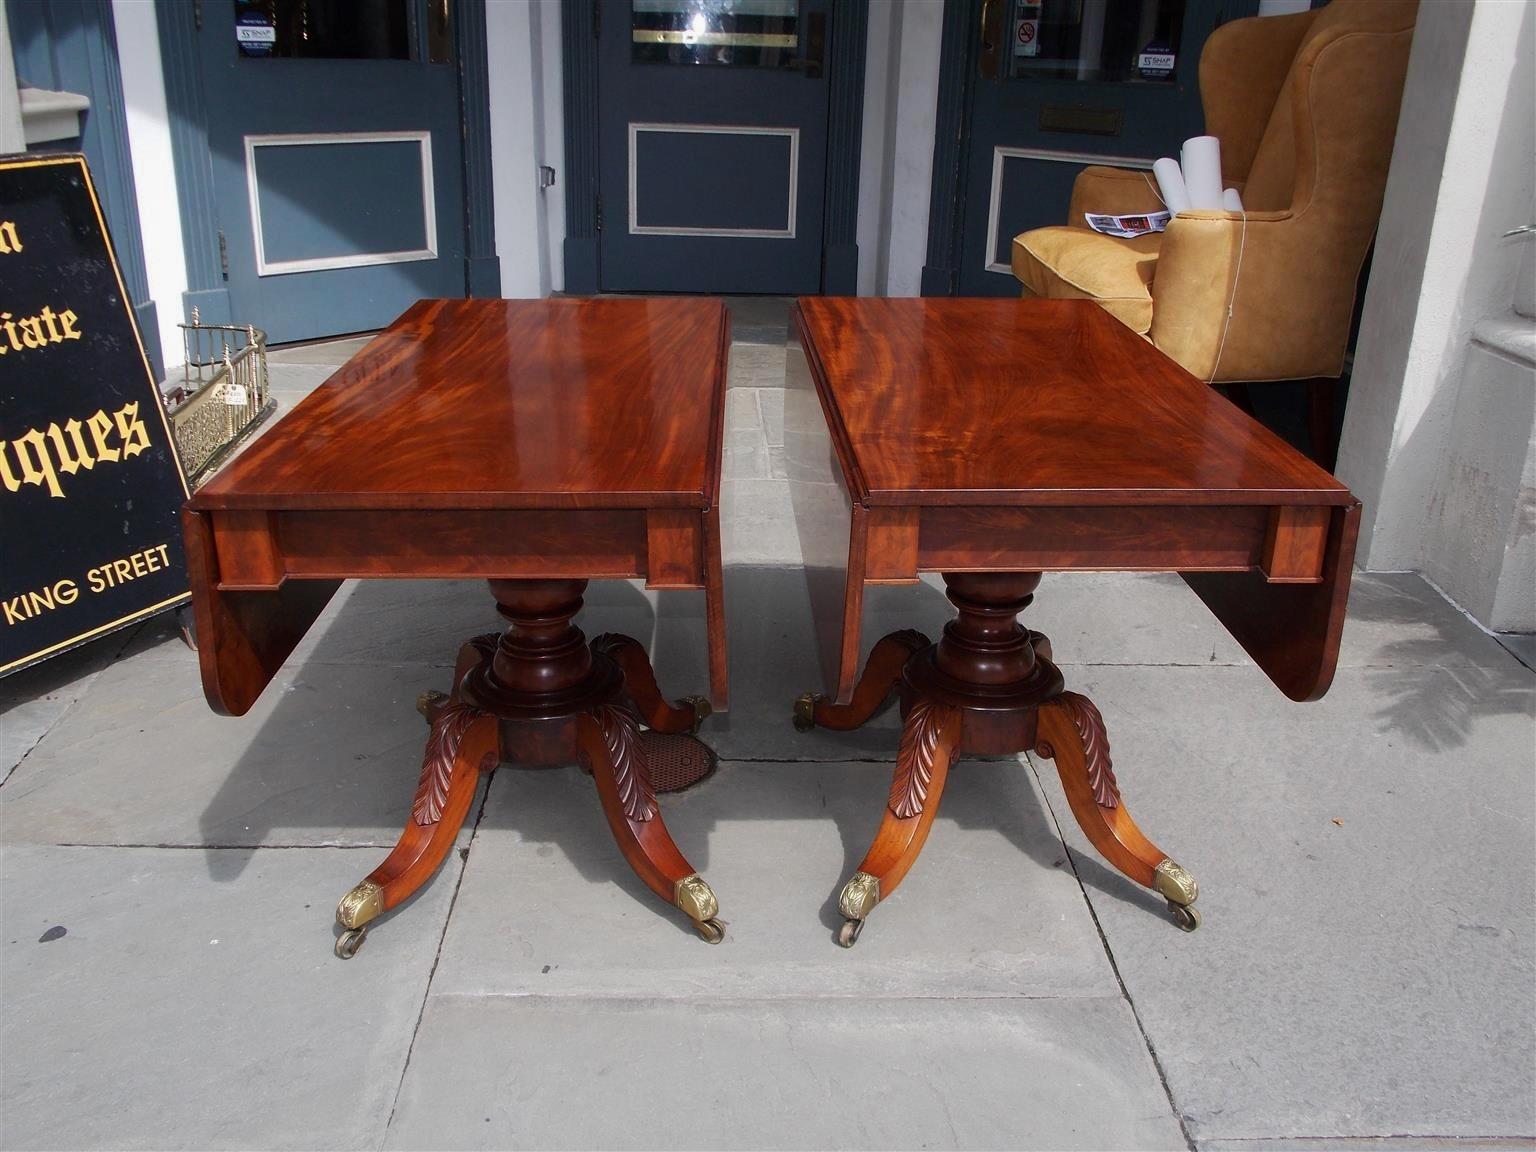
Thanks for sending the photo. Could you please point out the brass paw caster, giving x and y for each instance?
(429, 702)
(350, 941)
(701, 711)
(698, 903)
(856, 901)
(805, 711)
(357, 909)
(1179, 888)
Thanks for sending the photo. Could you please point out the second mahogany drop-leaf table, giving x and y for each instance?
(536, 444)
(991, 441)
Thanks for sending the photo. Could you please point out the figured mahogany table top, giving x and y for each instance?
(474, 439)
(1041, 402)
(505, 404)
(981, 435)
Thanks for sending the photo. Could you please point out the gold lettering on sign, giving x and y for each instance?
(63, 593)
(41, 454)
(9, 241)
(29, 332)
(140, 564)
(30, 605)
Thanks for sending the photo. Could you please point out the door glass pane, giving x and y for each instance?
(324, 29)
(754, 33)
(1131, 41)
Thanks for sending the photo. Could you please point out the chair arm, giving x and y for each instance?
(1290, 308)
(1113, 191)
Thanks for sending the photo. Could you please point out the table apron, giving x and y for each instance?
(1284, 543)
(259, 550)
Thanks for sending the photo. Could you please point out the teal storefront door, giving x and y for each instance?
(335, 143)
(713, 143)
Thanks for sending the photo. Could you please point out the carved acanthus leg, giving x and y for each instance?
(609, 743)
(1071, 732)
(640, 683)
(464, 742)
(929, 739)
(881, 672)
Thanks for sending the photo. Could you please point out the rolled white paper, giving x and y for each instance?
(1201, 163)
(1170, 182)
(1231, 201)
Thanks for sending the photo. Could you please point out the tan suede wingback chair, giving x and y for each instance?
(1305, 107)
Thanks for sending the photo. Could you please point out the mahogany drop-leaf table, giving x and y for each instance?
(991, 441)
(535, 444)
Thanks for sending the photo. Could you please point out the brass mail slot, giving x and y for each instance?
(1091, 121)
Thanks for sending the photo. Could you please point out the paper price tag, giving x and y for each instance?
(237, 395)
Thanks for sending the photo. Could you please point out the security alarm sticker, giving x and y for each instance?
(254, 32)
(1156, 62)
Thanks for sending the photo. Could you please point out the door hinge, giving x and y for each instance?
(597, 18)
(599, 212)
(197, 14)
(223, 256)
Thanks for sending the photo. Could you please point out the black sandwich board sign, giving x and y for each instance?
(90, 486)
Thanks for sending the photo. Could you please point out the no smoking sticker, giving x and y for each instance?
(1026, 37)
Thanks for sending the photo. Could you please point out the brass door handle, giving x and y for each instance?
(991, 39)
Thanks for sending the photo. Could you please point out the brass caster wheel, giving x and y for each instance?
(710, 931)
(805, 711)
(1186, 916)
(701, 711)
(848, 934)
(350, 941)
(428, 702)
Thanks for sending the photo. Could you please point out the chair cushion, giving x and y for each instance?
(1080, 264)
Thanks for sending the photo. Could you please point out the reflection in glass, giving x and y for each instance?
(324, 29)
(1116, 41)
(750, 33)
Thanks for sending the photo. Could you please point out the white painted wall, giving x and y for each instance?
(901, 92)
(154, 174)
(1461, 176)
(881, 64)
(551, 96)
(12, 138)
(513, 46)
(527, 130)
